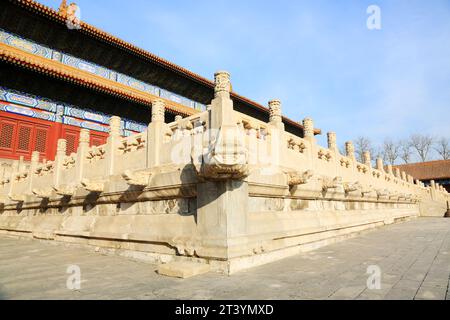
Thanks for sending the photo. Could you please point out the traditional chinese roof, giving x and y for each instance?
(432, 170)
(64, 72)
(45, 25)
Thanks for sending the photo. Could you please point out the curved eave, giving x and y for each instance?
(105, 37)
(67, 73)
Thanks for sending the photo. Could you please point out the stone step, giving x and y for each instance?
(183, 270)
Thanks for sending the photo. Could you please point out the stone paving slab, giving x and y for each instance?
(413, 258)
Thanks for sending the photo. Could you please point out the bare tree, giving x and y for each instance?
(390, 151)
(422, 145)
(363, 144)
(443, 148)
(405, 150)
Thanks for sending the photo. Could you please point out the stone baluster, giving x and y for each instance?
(83, 146)
(61, 153)
(275, 114)
(367, 159)
(178, 132)
(397, 173)
(350, 150)
(252, 142)
(22, 165)
(33, 166)
(390, 170)
(222, 192)
(14, 172)
(332, 142)
(403, 176)
(433, 189)
(112, 144)
(380, 165)
(155, 133)
(276, 129)
(308, 129)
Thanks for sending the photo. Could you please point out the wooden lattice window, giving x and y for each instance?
(97, 141)
(24, 138)
(40, 143)
(6, 135)
(20, 136)
(71, 139)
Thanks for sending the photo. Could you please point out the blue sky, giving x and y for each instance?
(317, 56)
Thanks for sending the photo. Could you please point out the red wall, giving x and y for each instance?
(20, 136)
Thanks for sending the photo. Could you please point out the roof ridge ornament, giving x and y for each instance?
(71, 13)
(63, 8)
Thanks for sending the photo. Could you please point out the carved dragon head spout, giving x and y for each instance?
(66, 191)
(382, 193)
(93, 186)
(20, 198)
(43, 193)
(352, 187)
(296, 178)
(139, 179)
(335, 183)
(227, 158)
(367, 191)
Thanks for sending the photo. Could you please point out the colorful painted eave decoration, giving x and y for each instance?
(35, 107)
(24, 111)
(37, 49)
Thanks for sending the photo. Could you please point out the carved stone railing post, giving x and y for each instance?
(332, 142)
(380, 165)
(350, 150)
(33, 165)
(367, 159)
(22, 165)
(252, 143)
(222, 193)
(390, 170)
(155, 133)
(277, 148)
(83, 146)
(433, 189)
(397, 173)
(403, 175)
(61, 152)
(14, 172)
(308, 129)
(275, 117)
(112, 143)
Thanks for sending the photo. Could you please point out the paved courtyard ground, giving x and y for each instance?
(413, 257)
